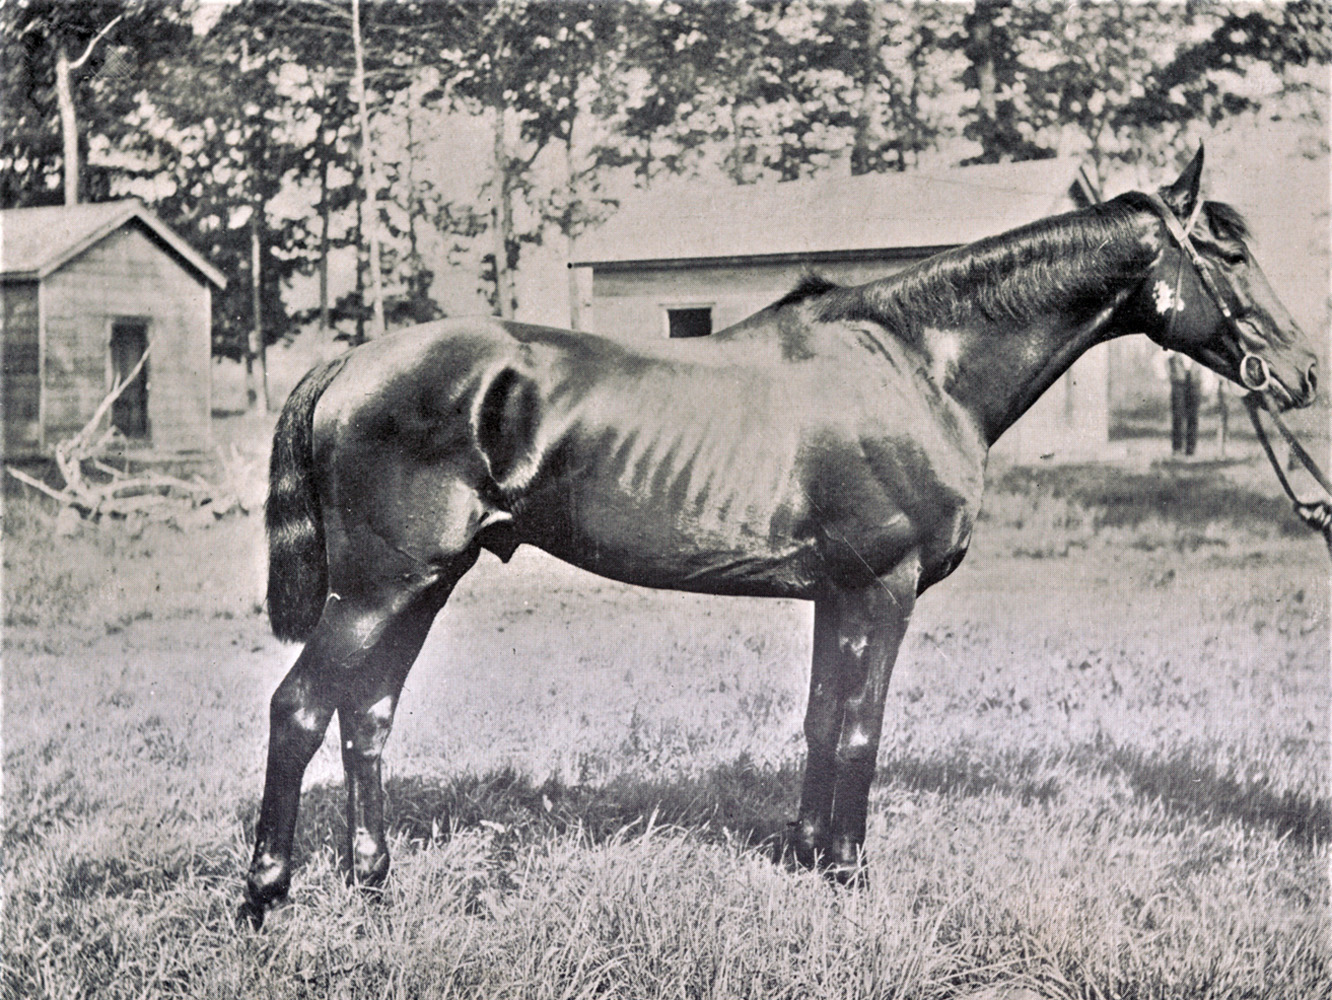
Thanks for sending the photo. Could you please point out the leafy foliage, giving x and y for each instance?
(243, 122)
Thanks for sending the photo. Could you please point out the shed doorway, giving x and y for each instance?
(129, 412)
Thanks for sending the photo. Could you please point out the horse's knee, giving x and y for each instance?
(297, 721)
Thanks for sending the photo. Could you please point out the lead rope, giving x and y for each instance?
(1317, 513)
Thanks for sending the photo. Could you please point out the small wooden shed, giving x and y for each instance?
(85, 290)
(686, 258)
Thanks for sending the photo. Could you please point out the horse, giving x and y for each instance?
(831, 447)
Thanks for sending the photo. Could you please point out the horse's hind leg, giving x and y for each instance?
(365, 717)
(357, 656)
(298, 715)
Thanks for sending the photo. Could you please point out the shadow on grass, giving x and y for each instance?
(1189, 495)
(739, 800)
(962, 774)
(751, 804)
(1184, 783)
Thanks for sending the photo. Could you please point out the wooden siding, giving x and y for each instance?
(20, 355)
(128, 276)
(630, 304)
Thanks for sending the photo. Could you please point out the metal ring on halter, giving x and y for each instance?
(1254, 373)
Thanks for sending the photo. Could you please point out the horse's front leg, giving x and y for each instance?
(857, 634)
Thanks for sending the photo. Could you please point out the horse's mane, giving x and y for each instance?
(1064, 260)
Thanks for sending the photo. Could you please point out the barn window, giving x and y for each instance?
(129, 341)
(695, 321)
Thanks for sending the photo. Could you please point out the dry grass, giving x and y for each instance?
(1105, 774)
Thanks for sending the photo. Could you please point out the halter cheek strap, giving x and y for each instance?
(1253, 370)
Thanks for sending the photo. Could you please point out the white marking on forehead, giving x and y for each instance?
(1166, 299)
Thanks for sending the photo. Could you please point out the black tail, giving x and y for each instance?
(297, 563)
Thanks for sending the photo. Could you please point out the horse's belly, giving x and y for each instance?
(736, 546)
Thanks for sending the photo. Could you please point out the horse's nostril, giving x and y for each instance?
(1311, 379)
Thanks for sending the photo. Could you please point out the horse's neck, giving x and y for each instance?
(998, 369)
(1010, 370)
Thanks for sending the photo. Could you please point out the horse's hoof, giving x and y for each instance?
(798, 849)
(847, 874)
(249, 917)
(368, 873)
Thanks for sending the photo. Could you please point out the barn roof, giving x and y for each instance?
(919, 210)
(34, 242)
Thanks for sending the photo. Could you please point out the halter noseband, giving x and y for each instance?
(1253, 370)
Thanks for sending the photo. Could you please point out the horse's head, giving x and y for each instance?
(1207, 297)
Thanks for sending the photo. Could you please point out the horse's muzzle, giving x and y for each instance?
(1256, 376)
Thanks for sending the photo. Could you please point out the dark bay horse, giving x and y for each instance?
(831, 447)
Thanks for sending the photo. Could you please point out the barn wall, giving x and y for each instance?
(127, 275)
(1070, 421)
(631, 303)
(20, 353)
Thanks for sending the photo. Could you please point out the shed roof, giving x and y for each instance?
(689, 219)
(34, 242)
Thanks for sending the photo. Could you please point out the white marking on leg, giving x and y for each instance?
(945, 352)
(364, 845)
(382, 710)
(307, 718)
(854, 645)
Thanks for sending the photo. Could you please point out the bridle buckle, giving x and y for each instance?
(1254, 373)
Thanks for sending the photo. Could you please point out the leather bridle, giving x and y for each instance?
(1254, 373)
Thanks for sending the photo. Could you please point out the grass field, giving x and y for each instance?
(1105, 773)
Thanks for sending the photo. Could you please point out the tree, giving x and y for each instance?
(523, 65)
(70, 74)
(1120, 82)
(227, 133)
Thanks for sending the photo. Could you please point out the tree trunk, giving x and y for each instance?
(258, 349)
(69, 128)
(502, 219)
(867, 123)
(359, 336)
(415, 281)
(371, 216)
(323, 237)
(980, 32)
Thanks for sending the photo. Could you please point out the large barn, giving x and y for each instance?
(86, 290)
(685, 259)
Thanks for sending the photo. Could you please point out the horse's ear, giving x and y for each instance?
(1182, 196)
